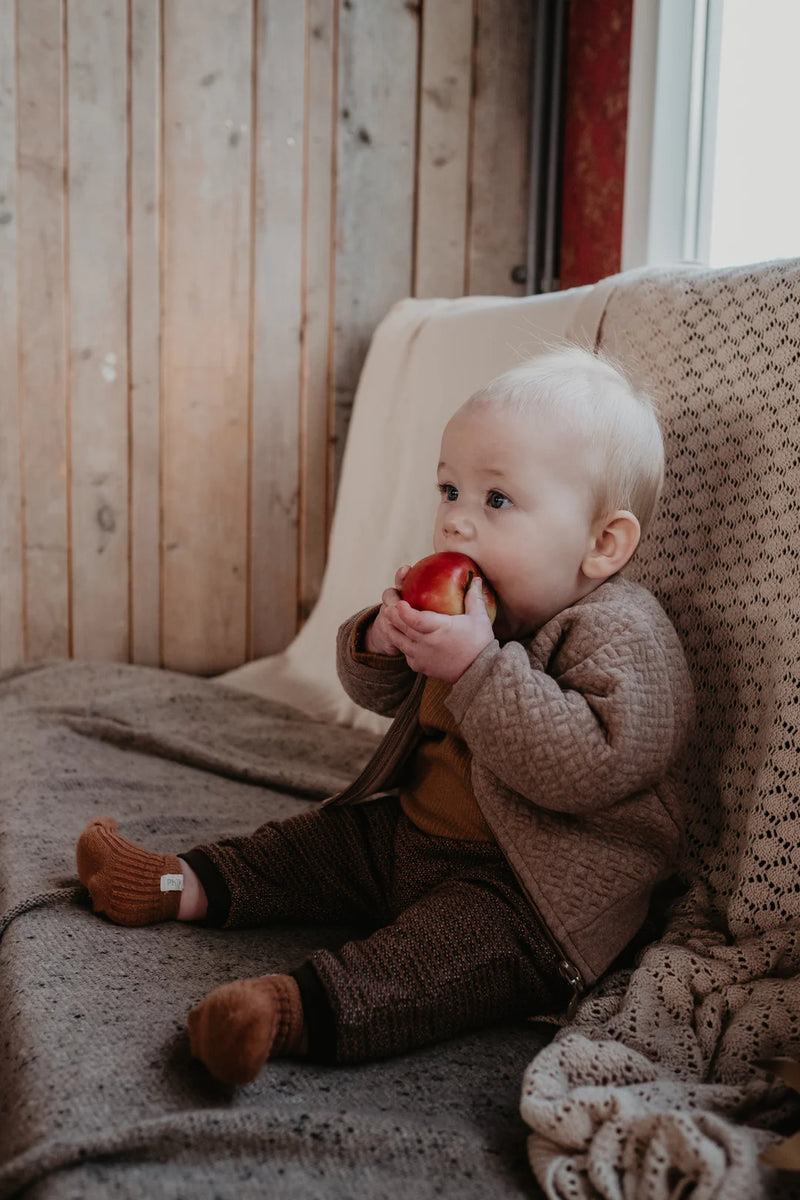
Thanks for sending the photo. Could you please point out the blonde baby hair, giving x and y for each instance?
(595, 397)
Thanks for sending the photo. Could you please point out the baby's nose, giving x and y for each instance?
(459, 522)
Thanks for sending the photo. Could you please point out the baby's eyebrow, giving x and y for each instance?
(493, 472)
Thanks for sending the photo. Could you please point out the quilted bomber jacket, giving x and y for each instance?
(578, 740)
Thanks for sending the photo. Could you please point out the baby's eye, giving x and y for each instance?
(448, 491)
(497, 500)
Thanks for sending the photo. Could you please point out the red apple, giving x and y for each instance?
(440, 582)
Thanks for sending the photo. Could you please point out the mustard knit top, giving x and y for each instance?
(437, 792)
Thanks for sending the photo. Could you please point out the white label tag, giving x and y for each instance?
(172, 883)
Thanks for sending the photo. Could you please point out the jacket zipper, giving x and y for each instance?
(375, 774)
(565, 967)
(569, 972)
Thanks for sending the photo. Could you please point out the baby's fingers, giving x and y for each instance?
(412, 620)
(400, 576)
(475, 601)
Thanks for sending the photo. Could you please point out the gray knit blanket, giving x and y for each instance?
(99, 1096)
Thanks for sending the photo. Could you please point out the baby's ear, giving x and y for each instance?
(614, 539)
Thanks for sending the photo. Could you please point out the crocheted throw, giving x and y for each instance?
(657, 1085)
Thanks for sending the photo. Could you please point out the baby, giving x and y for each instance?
(502, 845)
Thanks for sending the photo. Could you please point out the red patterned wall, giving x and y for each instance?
(598, 62)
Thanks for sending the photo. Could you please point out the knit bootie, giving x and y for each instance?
(131, 886)
(242, 1024)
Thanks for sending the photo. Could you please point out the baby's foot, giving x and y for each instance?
(242, 1024)
(130, 885)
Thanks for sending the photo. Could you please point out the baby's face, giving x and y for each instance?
(516, 497)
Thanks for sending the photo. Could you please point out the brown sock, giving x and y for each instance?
(130, 885)
(242, 1024)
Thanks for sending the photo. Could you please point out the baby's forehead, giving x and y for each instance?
(481, 417)
(512, 443)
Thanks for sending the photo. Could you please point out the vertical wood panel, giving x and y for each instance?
(316, 461)
(144, 296)
(40, 204)
(278, 231)
(249, 185)
(375, 180)
(11, 628)
(501, 147)
(207, 114)
(97, 104)
(443, 157)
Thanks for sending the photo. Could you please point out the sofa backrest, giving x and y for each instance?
(721, 351)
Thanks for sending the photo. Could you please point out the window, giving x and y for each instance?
(712, 174)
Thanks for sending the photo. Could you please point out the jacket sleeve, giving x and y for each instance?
(608, 718)
(378, 682)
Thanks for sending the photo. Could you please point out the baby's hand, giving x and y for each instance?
(440, 646)
(381, 637)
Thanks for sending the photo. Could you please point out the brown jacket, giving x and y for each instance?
(577, 740)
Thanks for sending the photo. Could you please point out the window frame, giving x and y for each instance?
(672, 100)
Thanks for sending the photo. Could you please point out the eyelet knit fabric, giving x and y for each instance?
(655, 1090)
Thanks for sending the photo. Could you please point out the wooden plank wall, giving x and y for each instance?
(206, 206)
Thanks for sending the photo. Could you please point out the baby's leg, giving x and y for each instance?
(134, 886)
(324, 864)
(467, 956)
(327, 864)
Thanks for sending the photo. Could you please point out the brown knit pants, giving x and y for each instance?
(451, 943)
